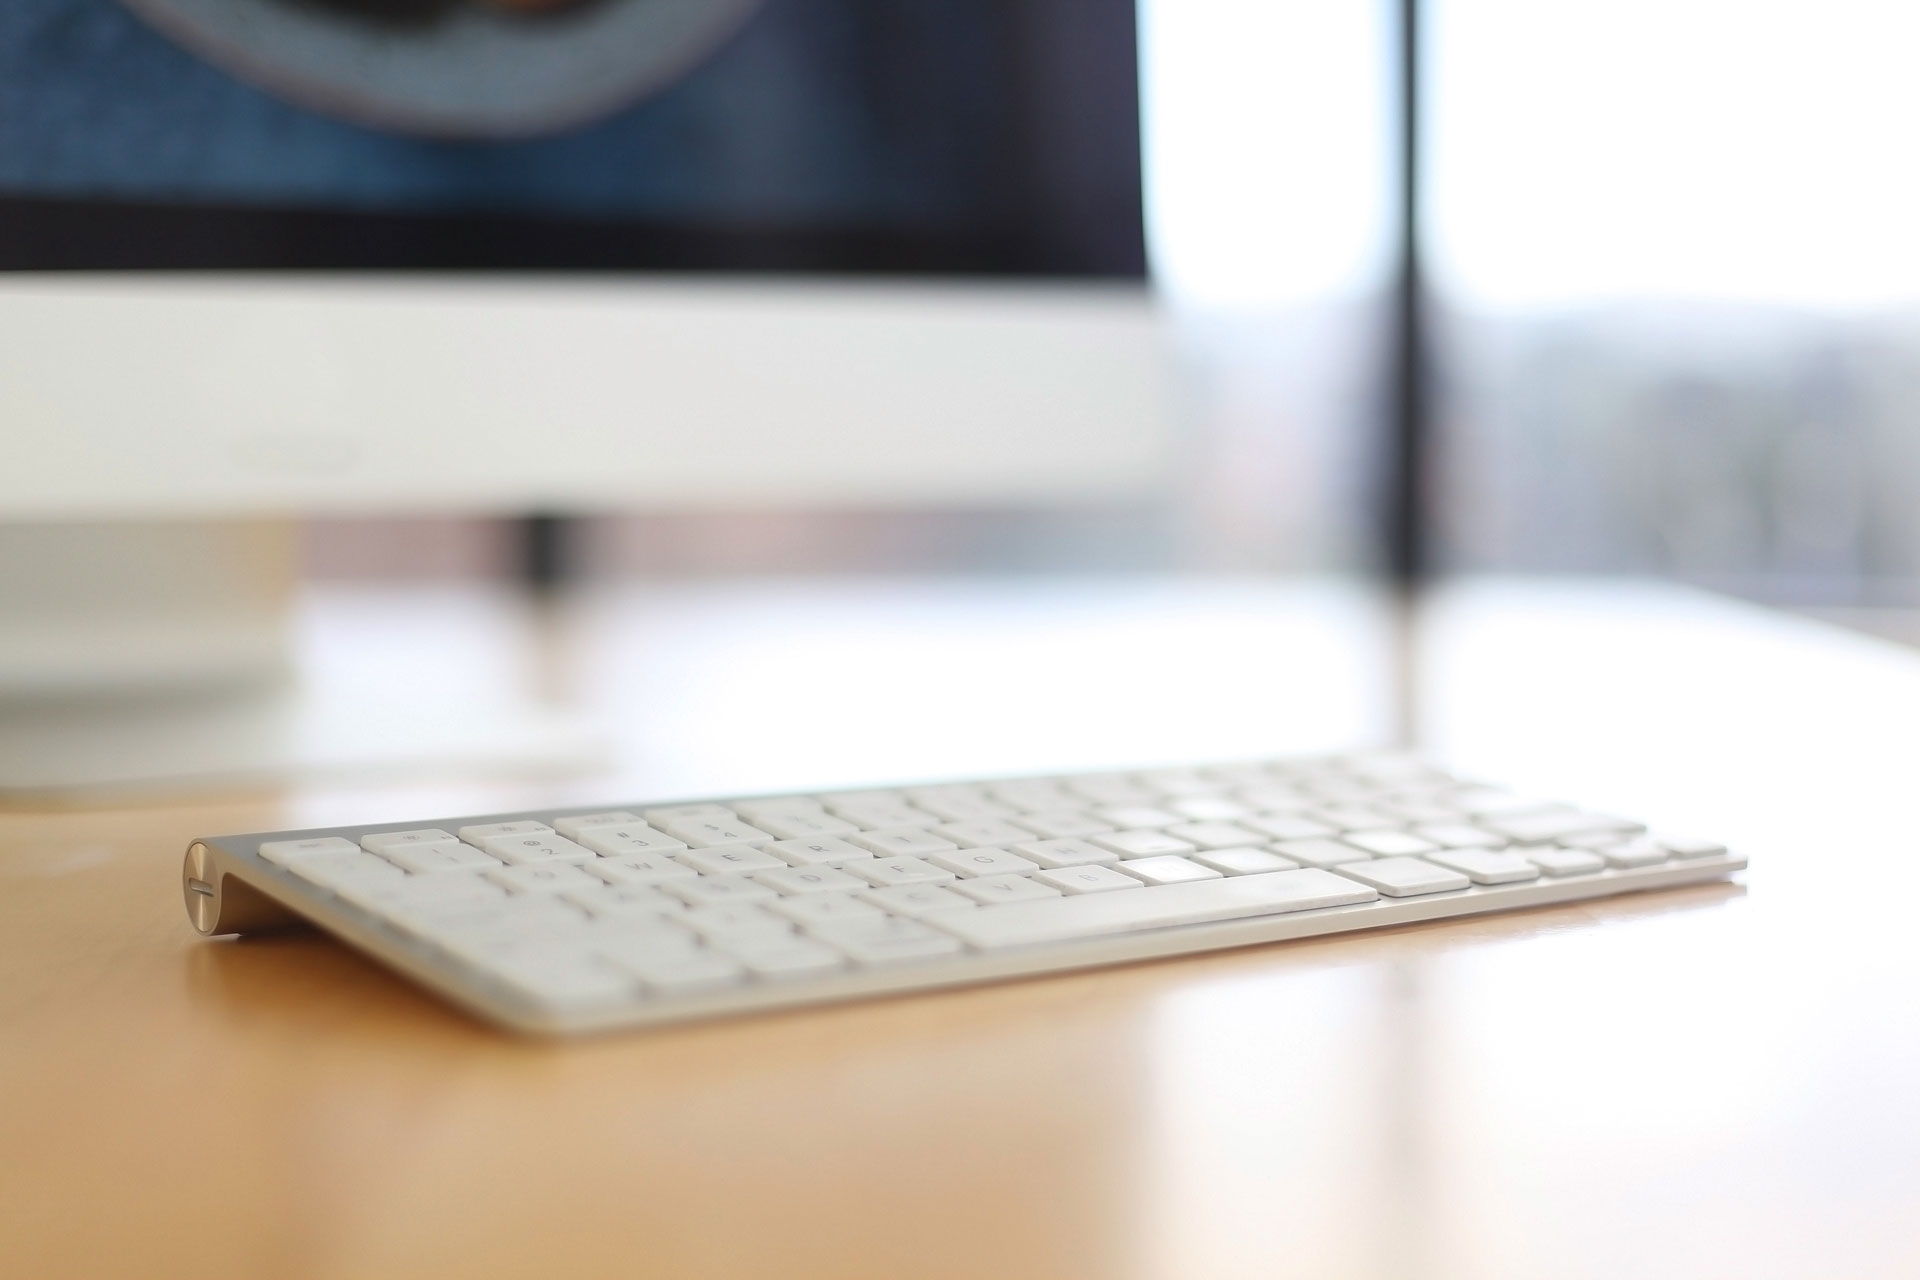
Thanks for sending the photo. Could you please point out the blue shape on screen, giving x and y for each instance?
(783, 125)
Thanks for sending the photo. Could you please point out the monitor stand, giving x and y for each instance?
(156, 659)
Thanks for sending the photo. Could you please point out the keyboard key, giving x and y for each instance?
(917, 900)
(624, 900)
(1492, 800)
(1089, 879)
(641, 932)
(446, 890)
(797, 880)
(286, 852)
(1114, 791)
(1287, 826)
(688, 812)
(1273, 800)
(1552, 824)
(958, 803)
(807, 909)
(869, 796)
(387, 897)
(402, 902)
(618, 842)
(1389, 844)
(1634, 853)
(474, 931)
(678, 973)
(1167, 870)
(1094, 915)
(434, 858)
(826, 852)
(639, 868)
(1459, 835)
(883, 815)
(1564, 862)
(571, 981)
(1137, 818)
(543, 878)
(1403, 877)
(1346, 818)
(804, 826)
(1406, 812)
(1142, 844)
(1032, 795)
(1319, 853)
(1234, 776)
(1213, 835)
(710, 832)
(624, 945)
(527, 849)
(1058, 824)
(1244, 862)
(1179, 782)
(1593, 839)
(734, 922)
(901, 842)
(1681, 847)
(1065, 853)
(782, 958)
(716, 891)
(737, 860)
(1486, 866)
(769, 806)
(888, 939)
(573, 827)
(329, 869)
(1004, 889)
(984, 833)
(386, 842)
(490, 830)
(1210, 809)
(884, 873)
(983, 862)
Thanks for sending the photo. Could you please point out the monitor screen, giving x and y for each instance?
(869, 136)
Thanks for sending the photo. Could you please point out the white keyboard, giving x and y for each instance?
(568, 921)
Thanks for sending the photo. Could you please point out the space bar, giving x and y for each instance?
(1019, 924)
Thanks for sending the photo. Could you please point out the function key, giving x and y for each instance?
(676, 812)
(386, 841)
(573, 826)
(285, 852)
(488, 830)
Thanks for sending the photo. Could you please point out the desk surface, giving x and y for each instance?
(1716, 1081)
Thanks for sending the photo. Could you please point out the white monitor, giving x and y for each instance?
(194, 395)
(805, 252)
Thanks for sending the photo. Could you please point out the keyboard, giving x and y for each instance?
(567, 921)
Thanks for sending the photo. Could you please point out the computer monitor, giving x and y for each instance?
(289, 257)
(831, 250)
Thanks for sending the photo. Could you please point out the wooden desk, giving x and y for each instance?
(1718, 1081)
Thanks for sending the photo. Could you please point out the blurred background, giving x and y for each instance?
(1671, 289)
(1673, 284)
